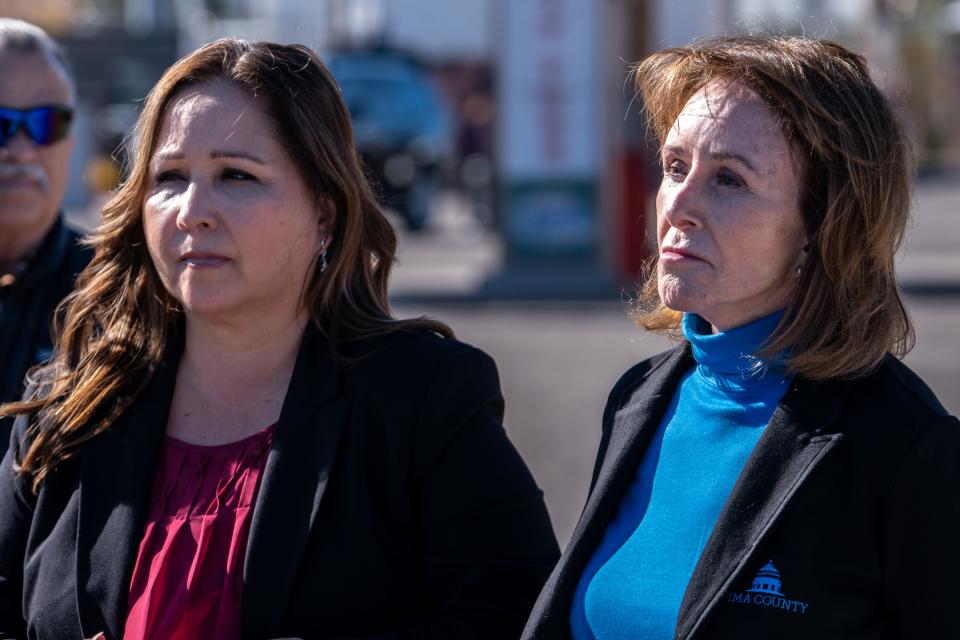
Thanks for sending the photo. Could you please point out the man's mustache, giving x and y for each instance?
(11, 170)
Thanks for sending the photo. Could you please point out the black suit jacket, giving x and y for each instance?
(26, 310)
(850, 496)
(392, 506)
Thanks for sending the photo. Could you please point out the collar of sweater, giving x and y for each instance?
(728, 359)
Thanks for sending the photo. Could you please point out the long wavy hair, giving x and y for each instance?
(846, 312)
(116, 327)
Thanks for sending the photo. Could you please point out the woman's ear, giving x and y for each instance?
(805, 251)
(326, 219)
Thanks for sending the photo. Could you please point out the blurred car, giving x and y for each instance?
(402, 127)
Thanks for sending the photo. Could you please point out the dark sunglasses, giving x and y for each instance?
(45, 125)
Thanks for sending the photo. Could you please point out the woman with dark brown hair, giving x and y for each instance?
(234, 437)
(780, 473)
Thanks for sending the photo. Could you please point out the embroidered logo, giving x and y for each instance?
(766, 592)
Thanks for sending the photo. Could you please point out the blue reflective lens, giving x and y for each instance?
(44, 125)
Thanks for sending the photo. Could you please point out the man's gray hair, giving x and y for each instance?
(18, 36)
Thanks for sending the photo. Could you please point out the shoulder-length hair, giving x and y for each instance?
(117, 325)
(855, 174)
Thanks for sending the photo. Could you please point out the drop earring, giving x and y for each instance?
(323, 256)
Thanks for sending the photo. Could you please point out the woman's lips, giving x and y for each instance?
(203, 260)
(677, 254)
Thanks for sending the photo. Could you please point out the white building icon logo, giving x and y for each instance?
(767, 581)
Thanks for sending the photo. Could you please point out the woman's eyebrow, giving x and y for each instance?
(676, 149)
(237, 154)
(176, 155)
(729, 155)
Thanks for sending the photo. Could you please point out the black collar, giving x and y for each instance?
(42, 260)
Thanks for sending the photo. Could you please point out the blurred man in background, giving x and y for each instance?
(39, 254)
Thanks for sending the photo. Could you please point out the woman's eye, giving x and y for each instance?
(675, 170)
(729, 179)
(236, 174)
(168, 176)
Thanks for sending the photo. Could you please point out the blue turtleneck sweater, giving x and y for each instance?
(633, 584)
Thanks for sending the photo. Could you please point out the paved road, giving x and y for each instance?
(558, 361)
(931, 253)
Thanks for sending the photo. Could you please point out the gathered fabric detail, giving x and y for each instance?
(188, 577)
(728, 360)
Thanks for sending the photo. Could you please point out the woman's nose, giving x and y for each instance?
(196, 209)
(682, 203)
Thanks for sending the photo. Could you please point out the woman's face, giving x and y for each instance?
(729, 229)
(230, 226)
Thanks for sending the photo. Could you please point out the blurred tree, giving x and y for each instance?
(53, 15)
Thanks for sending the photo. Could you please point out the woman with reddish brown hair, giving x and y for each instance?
(780, 473)
(234, 437)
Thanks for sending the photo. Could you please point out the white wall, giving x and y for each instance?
(301, 21)
(439, 29)
(442, 28)
(847, 11)
(293, 21)
(678, 22)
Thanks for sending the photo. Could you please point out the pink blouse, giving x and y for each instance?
(189, 572)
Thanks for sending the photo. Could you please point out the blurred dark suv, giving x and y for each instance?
(401, 125)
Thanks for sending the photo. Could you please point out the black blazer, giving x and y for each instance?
(26, 310)
(392, 506)
(850, 497)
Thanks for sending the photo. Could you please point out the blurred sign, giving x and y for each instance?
(549, 128)
(554, 218)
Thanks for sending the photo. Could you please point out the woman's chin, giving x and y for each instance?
(207, 307)
(677, 295)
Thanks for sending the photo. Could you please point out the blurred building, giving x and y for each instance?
(536, 87)
(119, 48)
(577, 170)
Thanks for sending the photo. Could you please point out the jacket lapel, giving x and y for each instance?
(116, 477)
(298, 467)
(632, 427)
(794, 443)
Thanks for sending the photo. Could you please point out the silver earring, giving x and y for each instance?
(799, 271)
(323, 256)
